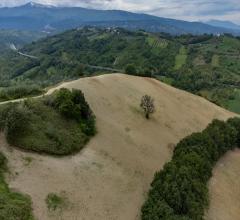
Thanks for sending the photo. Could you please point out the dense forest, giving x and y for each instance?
(206, 65)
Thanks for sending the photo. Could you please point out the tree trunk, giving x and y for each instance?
(147, 115)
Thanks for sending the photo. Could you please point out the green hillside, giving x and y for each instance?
(206, 65)
(67, 55)
(19, 38)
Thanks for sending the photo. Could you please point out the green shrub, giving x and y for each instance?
(3, 115)
(3, 162)
(235, 122)
(55, 202)
(72, 104)
(16, 92)
(88, 126)
(130, 69)
(16, 121)
(12, 205)
(15, 206)
(59, 124)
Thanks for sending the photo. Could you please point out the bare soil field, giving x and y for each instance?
(225, 188)
(110, 178)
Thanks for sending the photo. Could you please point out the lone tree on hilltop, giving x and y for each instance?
(147, 104)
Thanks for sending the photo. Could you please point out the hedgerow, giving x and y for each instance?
(179, 191)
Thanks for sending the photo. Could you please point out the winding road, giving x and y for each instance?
(13, 47)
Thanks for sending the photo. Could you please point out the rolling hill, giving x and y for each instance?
(205, 65)
(109, 179)
(34, 16)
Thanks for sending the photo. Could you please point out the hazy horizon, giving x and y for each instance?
(195, 10)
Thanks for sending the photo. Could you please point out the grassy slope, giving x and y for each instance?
(13, 205)
(224, 189)
(119, 162)
(234, 103)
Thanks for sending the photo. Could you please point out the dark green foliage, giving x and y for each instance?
(72, 104)
(12, 205)
(79, 71)
(15, 206)
(235, 122)
(194, 39)
(16, 120)
(3, 162)
(59, 124)
(130, 69)
(15, 92)
(180, 191)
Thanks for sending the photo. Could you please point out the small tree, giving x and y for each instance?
(16, 121)
(79, 71)
(147, 104)
(130, 69)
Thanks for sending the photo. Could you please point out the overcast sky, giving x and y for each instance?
(181, 9)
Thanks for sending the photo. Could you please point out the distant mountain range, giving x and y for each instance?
(223, 24)
(33, 16)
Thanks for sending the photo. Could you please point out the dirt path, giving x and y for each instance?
(109, 179)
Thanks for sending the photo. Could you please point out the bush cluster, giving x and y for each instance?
(72, 105)
(179, 191)
(131, 69)
(13, 120)
(58, 124)
(16, 92)
(55, 201)
(16, 120)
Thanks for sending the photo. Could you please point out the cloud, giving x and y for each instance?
(179, 9)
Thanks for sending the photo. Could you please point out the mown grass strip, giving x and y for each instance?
(181, 58)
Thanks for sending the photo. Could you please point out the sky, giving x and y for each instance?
(191, 10)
